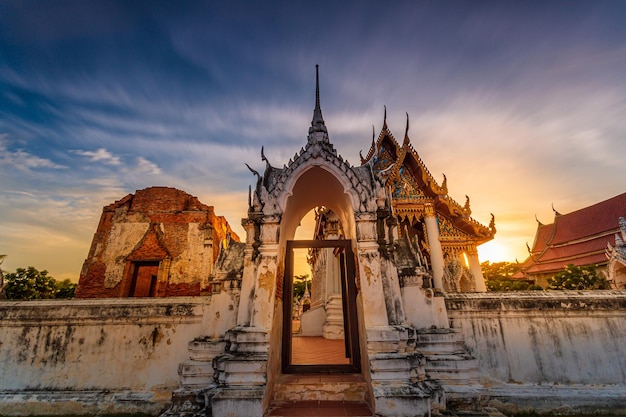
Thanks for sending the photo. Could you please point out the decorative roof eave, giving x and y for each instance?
(410, 155)
(407, 155)
(377, 144)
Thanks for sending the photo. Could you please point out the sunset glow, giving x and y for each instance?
(520, 107)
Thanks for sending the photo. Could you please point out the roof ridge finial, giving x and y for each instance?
(406, 131)
(385, 118)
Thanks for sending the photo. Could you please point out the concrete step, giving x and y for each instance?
(205, 349)
(339, 387)
(240, 370)
(319, 408)
(452, 369)
(195, 374)
(439, 343)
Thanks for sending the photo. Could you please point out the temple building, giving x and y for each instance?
(158, 242)
(580, 238)
(394, 322)
(437, 230)
(388, 244)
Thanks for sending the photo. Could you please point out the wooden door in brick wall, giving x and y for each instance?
(144, 279)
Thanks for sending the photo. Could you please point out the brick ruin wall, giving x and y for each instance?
(152, 225)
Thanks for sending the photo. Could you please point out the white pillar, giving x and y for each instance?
(436, 253)
(474, 266)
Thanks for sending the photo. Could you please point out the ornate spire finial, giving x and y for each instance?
(317, 113)
(317, 87)
(317, 124)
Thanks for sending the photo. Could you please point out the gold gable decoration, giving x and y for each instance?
(412, 187)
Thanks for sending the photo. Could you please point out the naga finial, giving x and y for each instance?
(406, 131)
(264, 158)
(385, 118)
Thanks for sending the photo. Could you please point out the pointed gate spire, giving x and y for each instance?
(317, 131)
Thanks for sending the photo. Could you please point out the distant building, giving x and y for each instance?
(158, 242)
(579, 238)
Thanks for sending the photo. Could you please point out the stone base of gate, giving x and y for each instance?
(399, 399)
(238, 402)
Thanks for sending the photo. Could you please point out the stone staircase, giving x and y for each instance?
(197, 377)
(315, 395)
(449, 361)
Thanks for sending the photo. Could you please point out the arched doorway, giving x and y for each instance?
(319, 331)
(308, 350)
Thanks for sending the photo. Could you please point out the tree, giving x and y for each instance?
(498, 277)
(31, 284)
(578, 278)
(65, 289)
(299, 285)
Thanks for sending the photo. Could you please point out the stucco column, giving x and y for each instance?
(247, 280)
(436, 253)
(368, 258)
(474, 266)
(265, 283)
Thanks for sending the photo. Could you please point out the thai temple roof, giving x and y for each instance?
(578, 238)
(415, 188)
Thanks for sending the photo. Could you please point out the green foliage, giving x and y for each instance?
(578, 278)
(504, 284)
(299, 285)
(65, 289)
(31, 284)
(498, 277)
(499, 269)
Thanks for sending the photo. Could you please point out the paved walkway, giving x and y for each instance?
(313, 350)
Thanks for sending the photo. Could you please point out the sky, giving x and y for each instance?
(522, 105)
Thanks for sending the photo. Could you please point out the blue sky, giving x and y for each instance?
(521, 104)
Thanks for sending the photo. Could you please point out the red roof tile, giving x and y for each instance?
(579, 238)
(589, 221)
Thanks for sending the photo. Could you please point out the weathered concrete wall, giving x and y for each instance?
(543, 337)
(91, 356)
(548, 349)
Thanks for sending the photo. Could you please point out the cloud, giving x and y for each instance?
(23, 160)
(100, 155)
(143, 165)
